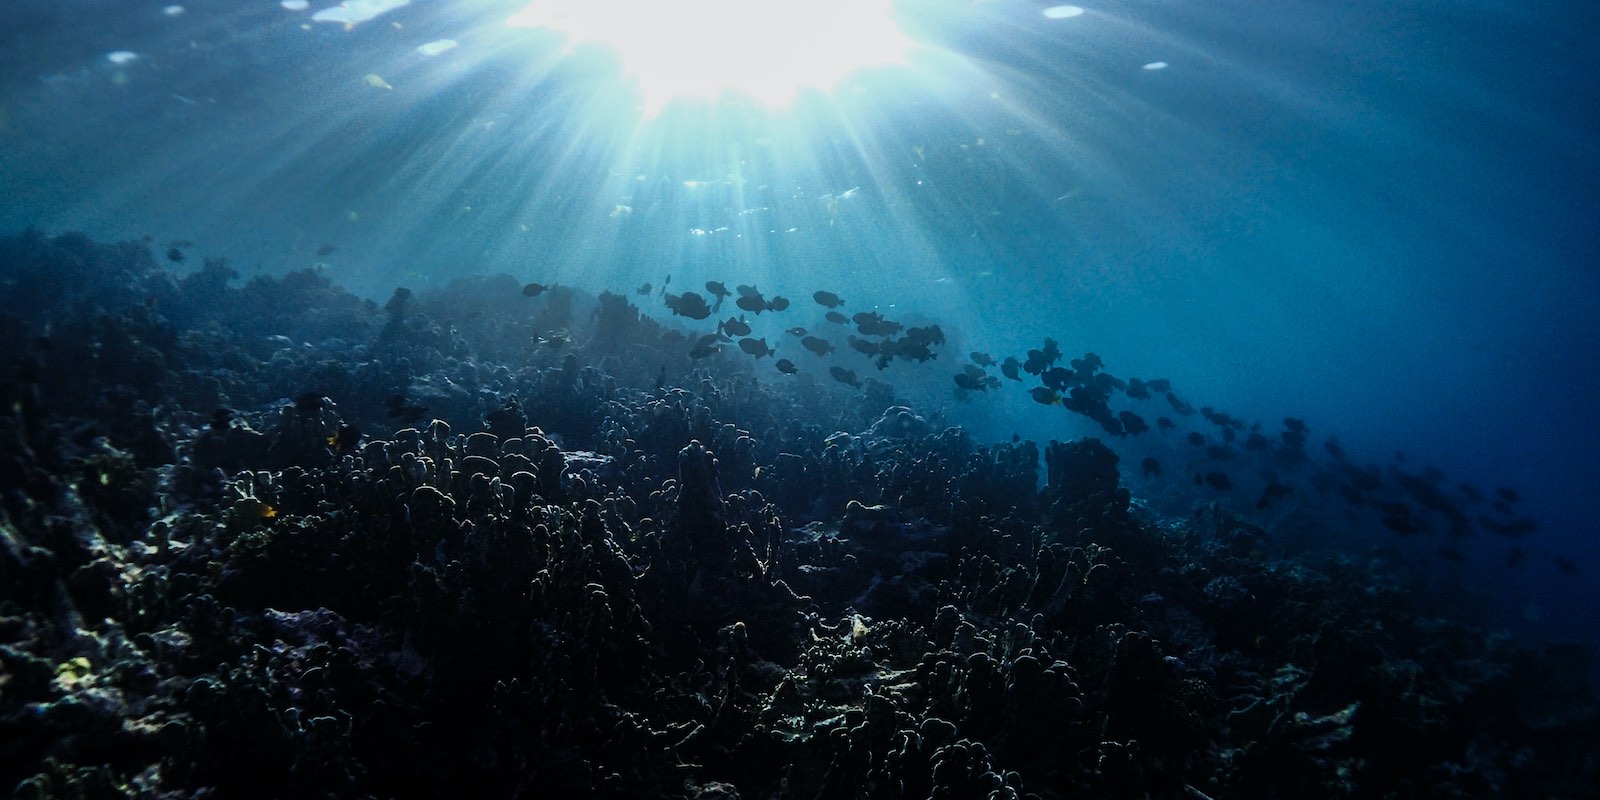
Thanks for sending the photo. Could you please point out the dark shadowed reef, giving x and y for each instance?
(272, 540)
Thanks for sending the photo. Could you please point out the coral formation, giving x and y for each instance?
(604, 569)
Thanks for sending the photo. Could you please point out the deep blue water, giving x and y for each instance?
(1380, 217)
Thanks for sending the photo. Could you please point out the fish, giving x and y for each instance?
(827, 299)
(1009, 368)
(1057, 378)
(1132, 424)
(1219, 481)
(836, 318)
(719, 291)
(965, 381)
(555, 340)
(786, 366)
(1165, 423)
(1151, 466)
(871, 323)
(1197, 439)
(706, 345)
(643, 290)
(756, 347)
(1273, 491)
(1137, 389)
(863, 346)
(1045, 395)
(174, 255)
(843, 375)
(664, 282)
(982, 359)
(745, 290)
(1159, 385)
(533, 289)
(325, 250)
(398, 408)
(796, 331)
(734, 327)
(777, 303)
(345, 439)
(689, 304)
(819, 346)
(754, 304)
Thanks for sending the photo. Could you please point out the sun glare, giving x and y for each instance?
(766, 50)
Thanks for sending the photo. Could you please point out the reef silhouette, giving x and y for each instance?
(272, 539)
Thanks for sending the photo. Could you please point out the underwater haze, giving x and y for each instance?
(1378, 217)
(1337, 263)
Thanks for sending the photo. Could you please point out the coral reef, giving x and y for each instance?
(600, 568)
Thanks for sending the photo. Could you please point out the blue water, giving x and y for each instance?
(1380, 217)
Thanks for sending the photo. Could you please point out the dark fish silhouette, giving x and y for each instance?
(973, 378)
(397, 408)
(871, 323)
(796, 331)
(533, 289)
(815, 345)
(1045, 395)
(1219, 481)
(777, 303)
(754, 304)
(1009, 368)
(325, 250)
(174, 255)
(1132, 424)
(827, 299)
(705, 346)
(1151, 466)
(689, 304)
(843, 375)
(836, 318)
(755, 347)
(1273, 491)
(644, 289)
(786, 366)
(734, 327)
(344, 440)
(982, 359)
(717, 290)
(862, 346)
